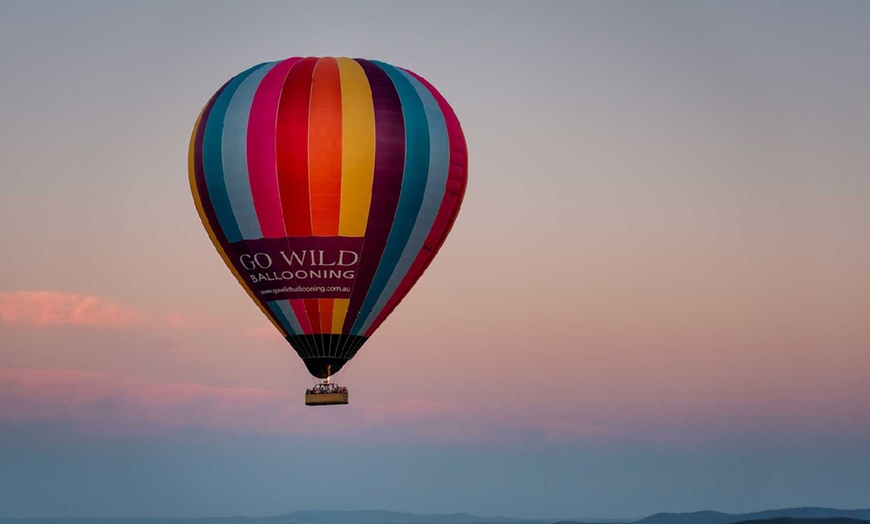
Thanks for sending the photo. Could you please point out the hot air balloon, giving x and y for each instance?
(327, 185)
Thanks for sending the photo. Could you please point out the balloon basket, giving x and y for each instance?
(326, 394)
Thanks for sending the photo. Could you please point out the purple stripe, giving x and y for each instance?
(387, 183)
(199, 172)
(202, 189)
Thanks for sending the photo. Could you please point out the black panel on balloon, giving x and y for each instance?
(324, 367)
(325, 354)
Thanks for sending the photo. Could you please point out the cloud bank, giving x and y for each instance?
(103, 404)
(55, 308)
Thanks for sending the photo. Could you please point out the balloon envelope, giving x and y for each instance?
(327, 185)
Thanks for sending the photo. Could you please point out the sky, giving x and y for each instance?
(655, 297)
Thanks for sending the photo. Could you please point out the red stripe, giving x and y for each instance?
(292, 159)
(292, 148)
(312, 309)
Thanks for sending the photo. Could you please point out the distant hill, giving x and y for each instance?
(792, 520)
(297, 517)
(810, 513)
(778, 516)
(696, 517)
(388, 517)
(715, 517)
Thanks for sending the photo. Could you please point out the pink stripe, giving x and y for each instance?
(262, 166)
(298, 306)
(457, 177)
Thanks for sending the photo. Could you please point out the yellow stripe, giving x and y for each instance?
(339, 311)
(192, 174)
(357, 149)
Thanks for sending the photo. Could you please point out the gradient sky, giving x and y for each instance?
(655, 298)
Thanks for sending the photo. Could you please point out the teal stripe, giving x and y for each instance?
(291, 317)
(212, 159)
(413, 187)
(288, 321)
(439, 164)
(235, 154)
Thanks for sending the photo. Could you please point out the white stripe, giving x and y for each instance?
(234, 148)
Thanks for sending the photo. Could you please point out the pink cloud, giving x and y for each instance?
(104, 404)
(58, 308)
(110, 404)
(55, 308)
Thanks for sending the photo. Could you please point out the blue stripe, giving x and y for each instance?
(439, 164)
(235, 154)
(413, 186)
(284, 318)
(212, 161)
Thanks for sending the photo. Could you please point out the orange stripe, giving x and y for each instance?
(324, 148)
(324, 161)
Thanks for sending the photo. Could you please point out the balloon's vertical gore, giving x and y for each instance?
(327, 185)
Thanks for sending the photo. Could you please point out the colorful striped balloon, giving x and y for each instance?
(327, 185)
